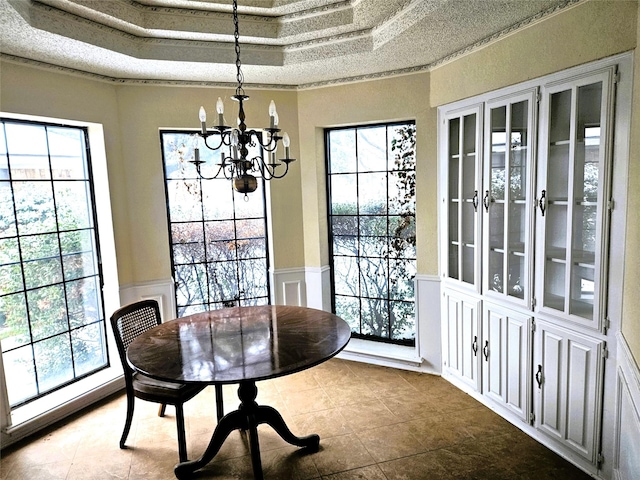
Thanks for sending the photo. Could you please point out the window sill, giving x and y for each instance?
(378, 353)
(51, 408)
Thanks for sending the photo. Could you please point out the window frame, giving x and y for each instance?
(239, 300)
(411, 342)
(97, 255)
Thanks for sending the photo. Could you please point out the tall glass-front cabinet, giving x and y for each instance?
(525, 190)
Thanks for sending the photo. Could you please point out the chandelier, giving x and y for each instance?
(237, 166)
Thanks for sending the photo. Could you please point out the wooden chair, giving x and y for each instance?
(128, 322)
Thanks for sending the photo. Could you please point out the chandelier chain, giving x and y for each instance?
(236, 34)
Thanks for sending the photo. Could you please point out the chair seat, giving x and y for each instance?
(158, 391)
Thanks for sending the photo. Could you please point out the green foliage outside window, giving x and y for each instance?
(373, 231)
(51, 322)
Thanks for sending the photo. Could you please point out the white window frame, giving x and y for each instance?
(29, 418)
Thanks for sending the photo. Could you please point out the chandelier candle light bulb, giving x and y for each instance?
(220, 110)
(272, 114)
(203, 120)
(286, 141)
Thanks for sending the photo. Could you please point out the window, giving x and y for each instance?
(371, 183)
(52, 326)
(218, 237)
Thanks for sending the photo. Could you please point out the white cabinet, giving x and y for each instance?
(460, 321)
(568, 373)
(526, 196)
(506, 363)
(486, 350)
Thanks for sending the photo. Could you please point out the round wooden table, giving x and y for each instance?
(240, 345)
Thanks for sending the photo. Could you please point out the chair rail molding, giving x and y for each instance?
(626, 461)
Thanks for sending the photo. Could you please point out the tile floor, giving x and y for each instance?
(374, 423)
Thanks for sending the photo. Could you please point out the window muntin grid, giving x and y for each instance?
(218, 240)
(52, 326)
(371, 212)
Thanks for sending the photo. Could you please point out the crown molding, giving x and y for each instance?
(302, 86)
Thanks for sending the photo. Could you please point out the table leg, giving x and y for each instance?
(248, 416)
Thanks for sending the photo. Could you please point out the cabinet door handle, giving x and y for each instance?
(543, 202)
(485, 350)
(474, 346)
(485, 200)
(475, 201)
(539, 376)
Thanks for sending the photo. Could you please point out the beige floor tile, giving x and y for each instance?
(414, 406)
(338, 454)
(416, 467)
(155, 462)
(415, 426)
(290, 462)
(390, 442)
(46, 471)
(372, 472)
(326, 423)
(438, 431)
(307, 401)
(367, 415)
(100, 466)
(232, 469)
(350, 394)
(298, 382)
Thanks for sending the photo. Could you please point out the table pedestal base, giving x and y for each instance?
(248, 416)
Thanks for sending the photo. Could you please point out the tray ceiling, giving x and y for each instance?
(286, 43)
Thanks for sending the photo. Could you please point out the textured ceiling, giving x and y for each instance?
(287, 43)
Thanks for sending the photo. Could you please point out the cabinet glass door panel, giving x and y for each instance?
(462, 196)
(454, 195)
(468, 202)
(572, 195)
(508, 177)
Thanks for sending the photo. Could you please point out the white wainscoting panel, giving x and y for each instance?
(428, 322)
(159, 290)
(626, 464)
(318, 283)
(289, 287)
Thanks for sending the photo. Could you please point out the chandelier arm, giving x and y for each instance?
(222, 142)
(262, 167)
(286, 169)
(221, 168)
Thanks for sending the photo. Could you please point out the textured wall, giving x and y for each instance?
(31, 91)
(399, 98)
